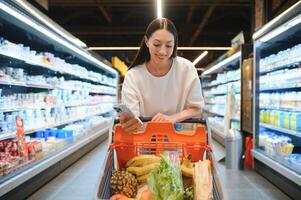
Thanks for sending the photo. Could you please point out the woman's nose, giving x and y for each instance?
(162, 50)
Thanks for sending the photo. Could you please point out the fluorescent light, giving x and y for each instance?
(204, 48)
(112, 48)
(179, 48)
(281, 29)
(222, 63)
(48, 23)
(53, 36)
(200, 57)
(159, 9)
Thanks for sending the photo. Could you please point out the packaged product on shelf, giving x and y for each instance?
(67, 135)
(294, 159)
(276, 118)
(37, 145)
(275, 145)
(295, 121)
(8, 164)
(285, 119)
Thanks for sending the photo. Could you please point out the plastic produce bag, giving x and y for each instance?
(165, 181)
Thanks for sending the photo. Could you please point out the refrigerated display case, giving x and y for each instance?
(63, 94)
(277, 113)
(216, 82)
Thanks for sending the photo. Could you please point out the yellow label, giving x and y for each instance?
(119, 65)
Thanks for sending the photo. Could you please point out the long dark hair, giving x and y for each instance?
(160, 23)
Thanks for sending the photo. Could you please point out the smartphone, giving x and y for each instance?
(122, 109)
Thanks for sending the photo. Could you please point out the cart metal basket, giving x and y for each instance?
(132, 145)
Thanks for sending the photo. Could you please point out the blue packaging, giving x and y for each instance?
(178, 126)
(61, 134)
(52, 132)
(69, 134)
(46, 135)
(39, 134)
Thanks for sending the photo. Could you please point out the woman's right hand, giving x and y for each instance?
(130, 124)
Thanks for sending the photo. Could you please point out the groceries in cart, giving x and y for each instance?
(151, 177)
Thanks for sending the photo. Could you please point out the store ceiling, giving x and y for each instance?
(123, 22)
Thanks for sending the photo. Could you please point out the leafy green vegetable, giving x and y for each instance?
(165, 181)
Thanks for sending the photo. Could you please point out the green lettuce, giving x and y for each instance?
(165, 181)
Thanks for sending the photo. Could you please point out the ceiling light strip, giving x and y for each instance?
(200, 57)
(159, 9)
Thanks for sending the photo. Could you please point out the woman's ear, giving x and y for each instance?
(146, 41)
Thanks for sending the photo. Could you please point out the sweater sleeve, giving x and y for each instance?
(130, 94)
(194, 97)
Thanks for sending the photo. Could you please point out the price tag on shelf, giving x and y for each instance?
(22, 147)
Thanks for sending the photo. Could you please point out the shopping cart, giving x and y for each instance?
(157, 137)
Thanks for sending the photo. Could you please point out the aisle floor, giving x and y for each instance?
(243, 184)
(77, 182)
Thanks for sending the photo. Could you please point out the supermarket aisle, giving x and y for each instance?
(78, 182)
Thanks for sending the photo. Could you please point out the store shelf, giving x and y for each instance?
(216, 94)
(296, 62)
(13, 134)
(219, 132)
(44, 86)
(215, 133)
(286, 172)
(210, 86)
(289, 88)
(220, 114)
(12, 82)
(211, 103)
(24, 84)
(282, 130)
(45, 163)
(223, 64)
(14, 109)
(24, 39)
(280, 109)
(277, 41)
(214, 113)
(50, 67)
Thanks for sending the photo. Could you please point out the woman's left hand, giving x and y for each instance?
(161, 117)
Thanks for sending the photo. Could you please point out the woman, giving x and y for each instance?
(159, 84)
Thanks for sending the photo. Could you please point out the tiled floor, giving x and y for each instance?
(243, 184)
(78, 182)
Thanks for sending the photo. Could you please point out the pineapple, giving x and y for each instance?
(123, 182)
(188, 193)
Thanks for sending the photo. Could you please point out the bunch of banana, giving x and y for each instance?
(187, 167)
(142, 165)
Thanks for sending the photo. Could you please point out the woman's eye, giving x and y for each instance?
(168, 46)
(156, 45)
